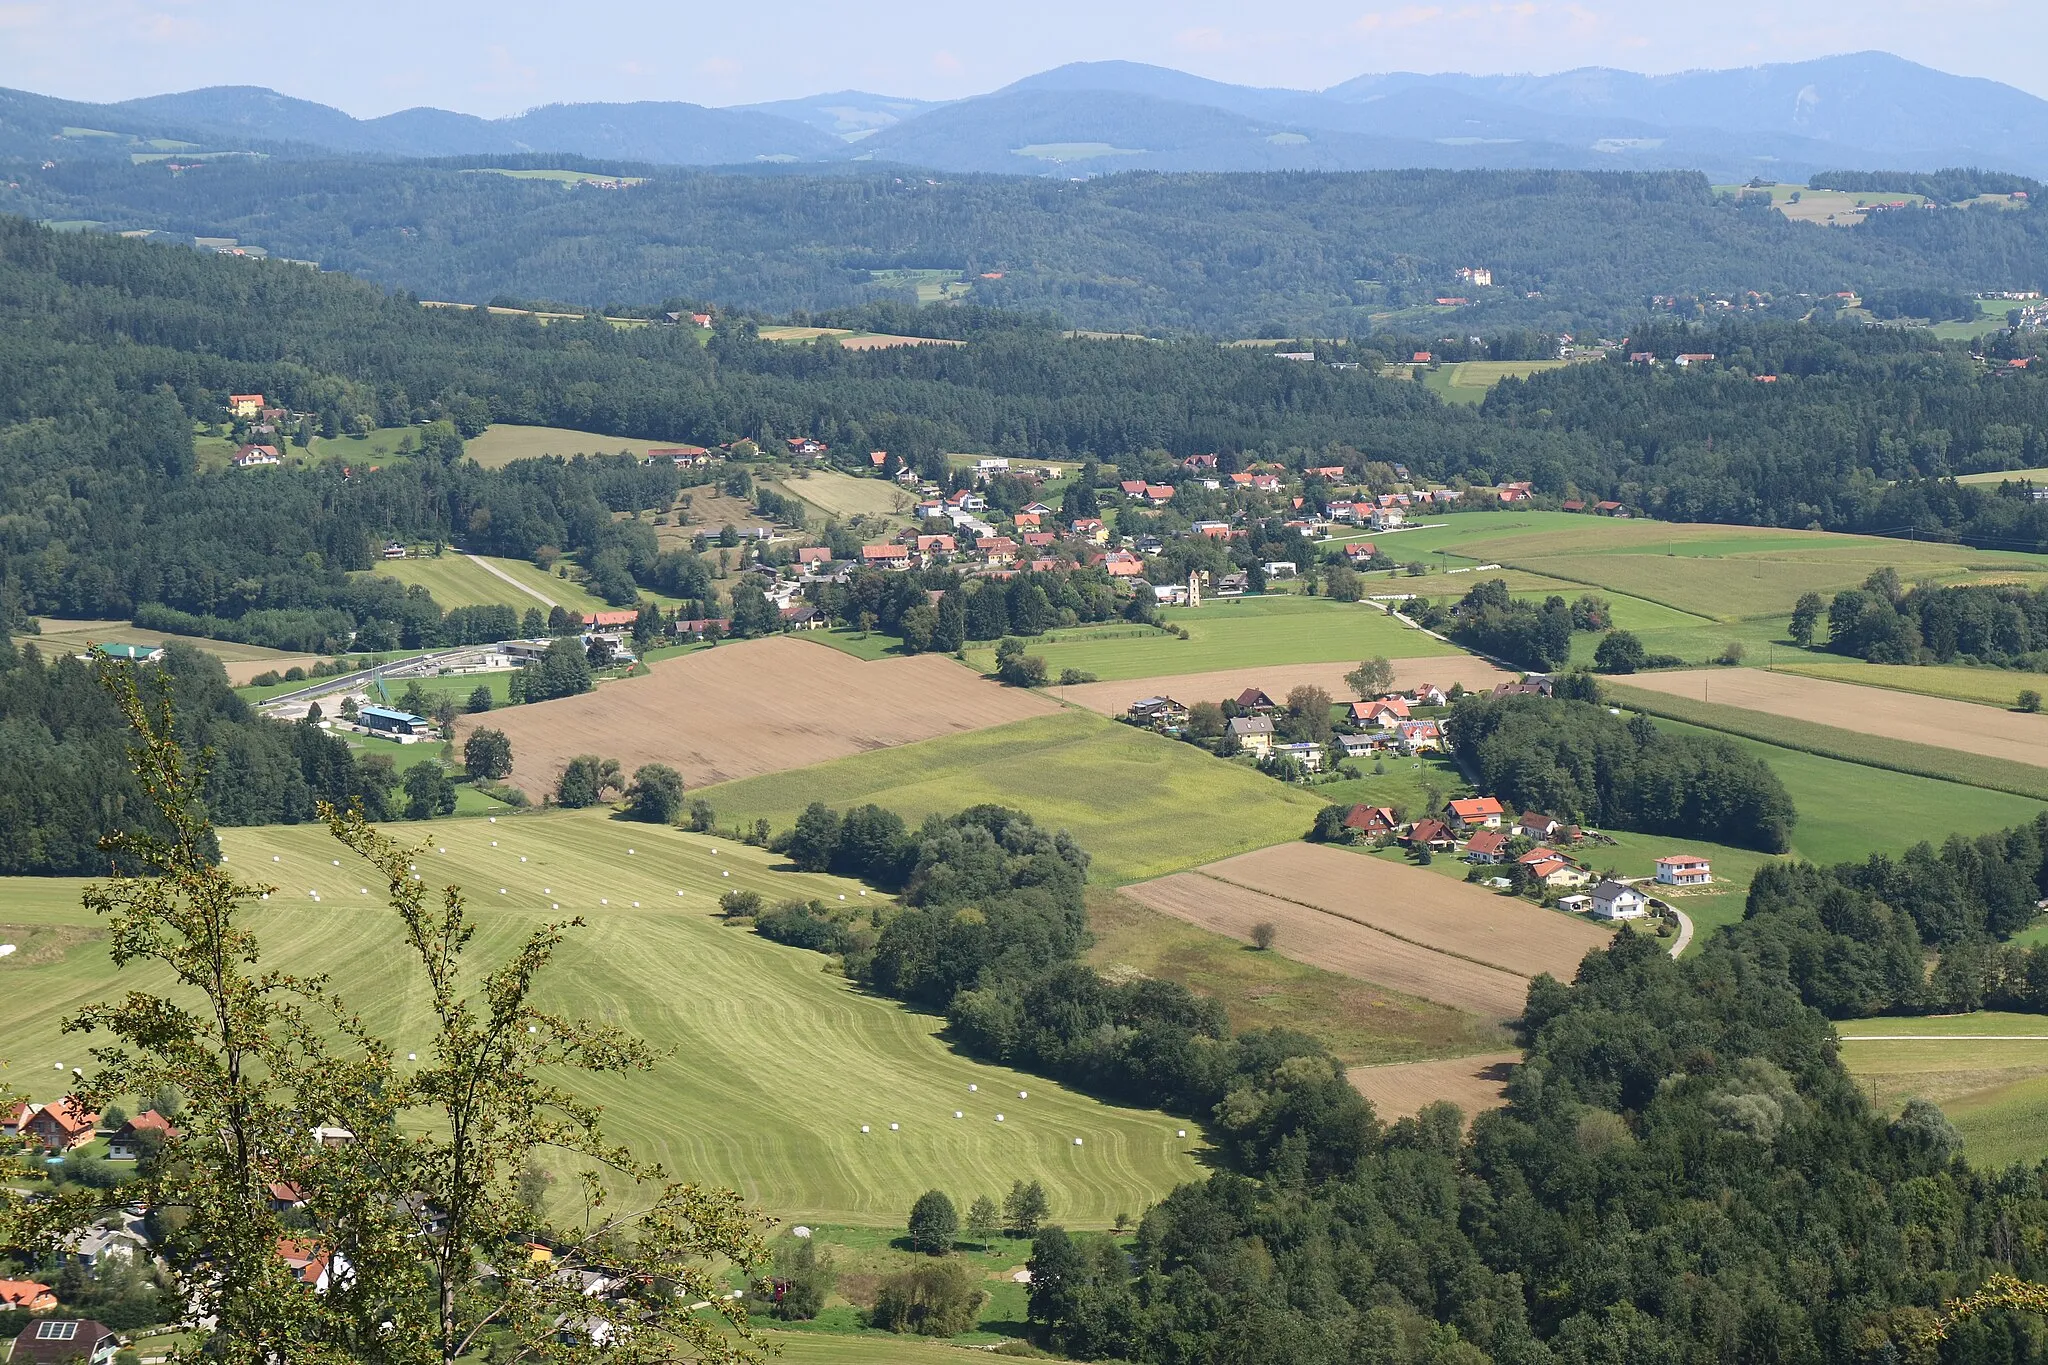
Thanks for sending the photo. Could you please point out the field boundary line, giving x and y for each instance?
(1362, 923)
(1921, 760)
(497, 572)
(1799, 670)
(1944, 1037)
(1635, 596)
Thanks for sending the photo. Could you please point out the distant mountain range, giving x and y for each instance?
(1866, 111)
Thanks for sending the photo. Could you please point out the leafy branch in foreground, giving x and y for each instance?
(321, 1202)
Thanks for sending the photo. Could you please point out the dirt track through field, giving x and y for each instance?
(1937, 721)
(758, 706)
(1114, 698)
(1474, 1084)
(1337, 945)
(1425, 908)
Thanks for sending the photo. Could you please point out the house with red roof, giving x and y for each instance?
(127, 1143)
(1471, 812)
(1385, 714)
(1487, 846)
(886, 556)
(1428, 833)
(1371, 821)
(27, 1296)
(61, 1126)
(1683, 869)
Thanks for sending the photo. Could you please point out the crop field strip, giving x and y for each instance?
(1971, 766)
(1998, 687)
(1142, 805)
(768, 1064)
(753, 707)
(502, 443)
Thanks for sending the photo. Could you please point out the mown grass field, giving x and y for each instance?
(380, 446)
(60, 636)
(504, 442)
(1242, 633)
(769, 1062)
(1999, 476)
(845, 496)
(456, 581)
(1467, 381)
(1875, 751)
(1998, 687)
(1994, 1089)
(1141, 804)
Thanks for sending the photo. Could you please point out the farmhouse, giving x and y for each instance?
(250, 457)
(1474, 811)
(1164, 712)
(1254, 734)
(1371, 820)
(50, 1340)
(393, 724)
(682, 456)
(57, 1127)
(886, 556)
(1683, 869)
(1617, 900)
(1486, 846)
(127, 1143)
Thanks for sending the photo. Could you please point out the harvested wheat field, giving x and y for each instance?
(1114, 698)
(1474, 1084)
(1425, 908)
(758, 706)
(1337, 945)
(1937, 721)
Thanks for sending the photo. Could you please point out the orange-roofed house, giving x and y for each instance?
(886, 556)
(61, 1126)
(1385, 714)
(598, 620)
(1371, 820)
(127, 1142)
(1123, 564)
(1487, 846)
(27, 1296)
(310, 1265)
(1474, 811)
(937, 545)
(813, 554)
(245, 404)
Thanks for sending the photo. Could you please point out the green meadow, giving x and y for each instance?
(504, 442)
(1141, 804)
(1235, 633)
(1993, 1088)
(456, 580)
(770, 1062)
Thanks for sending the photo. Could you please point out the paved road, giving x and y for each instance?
(497, 572)
(1684, 931)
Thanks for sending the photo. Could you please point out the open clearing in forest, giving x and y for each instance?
(1114, 698)
(1140, 804)
(61, 636)
(459, 580)
(1345, 946)
(754, 707)
(1936, 721)
(504, 442)
(1475, 1084)
(1469, 381)
(1988, 1072)
(767, 1063)
(850, 339)
(845, 496)
(1234, 633)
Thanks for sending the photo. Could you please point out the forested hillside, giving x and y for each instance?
(1223, 254)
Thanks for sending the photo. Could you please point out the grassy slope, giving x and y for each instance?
(1995, 1090)
(1142, 805)
(1278, 629)
(72, 637)
(769, 1063)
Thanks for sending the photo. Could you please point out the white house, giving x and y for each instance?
(1617, 900)
(1309, 755)
(1683, 869)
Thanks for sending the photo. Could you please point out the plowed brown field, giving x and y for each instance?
(1113, 698)
(1474, 1084)
(1337, 945)
(1869, 710)
(759, 706)
(1425, 908)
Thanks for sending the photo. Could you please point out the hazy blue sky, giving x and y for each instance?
(499, 56)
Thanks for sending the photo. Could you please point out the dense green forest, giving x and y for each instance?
(1574, 760)
(64, 747)
(1230, 255)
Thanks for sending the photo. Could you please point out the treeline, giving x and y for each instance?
(1488, 620)
(1680, 1164)
(2003, 625)
(1573, 760)
(1315, 254)
(992, 935)
(1855, 938)
(64, 748)
(1948, 186)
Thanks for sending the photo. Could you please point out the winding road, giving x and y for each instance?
(1684, 931)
